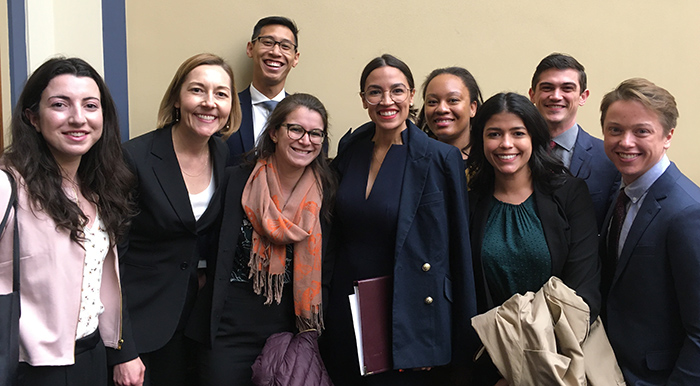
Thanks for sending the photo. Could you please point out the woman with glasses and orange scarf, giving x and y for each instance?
(267, 274)
(401, 211)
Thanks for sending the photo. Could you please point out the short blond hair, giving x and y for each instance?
(167, 113)
(653, 97)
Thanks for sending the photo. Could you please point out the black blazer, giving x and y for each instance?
(569, 225)
(204, 322)
(432, 228)
(165, 243)
(242, 140)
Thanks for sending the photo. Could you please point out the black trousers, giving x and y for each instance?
(173, 364)
(246, 323)
(90, 367)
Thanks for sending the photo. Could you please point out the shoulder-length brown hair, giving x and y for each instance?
(168, 113)
(321, 165)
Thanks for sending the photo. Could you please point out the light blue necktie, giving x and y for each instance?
(269, 105)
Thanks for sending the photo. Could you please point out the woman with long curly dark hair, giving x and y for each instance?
(73, 207)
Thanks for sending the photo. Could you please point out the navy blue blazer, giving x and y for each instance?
(159, 259)
(243, 140)
(590, 163)
(432, 228)
(653, 306)
(571, 234)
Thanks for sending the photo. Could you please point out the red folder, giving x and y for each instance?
(373, 313)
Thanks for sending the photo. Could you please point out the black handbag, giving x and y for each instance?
(9, 305)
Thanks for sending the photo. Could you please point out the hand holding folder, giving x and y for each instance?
(371, 314)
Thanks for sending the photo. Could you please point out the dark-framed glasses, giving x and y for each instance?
(374, 95)
(296, 132)
(269, 43)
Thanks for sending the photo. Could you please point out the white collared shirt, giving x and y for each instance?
(260, 112)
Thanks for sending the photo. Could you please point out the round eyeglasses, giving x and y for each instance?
(296, 132)
(374, 96)
(269, 43)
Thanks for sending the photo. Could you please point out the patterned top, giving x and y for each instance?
(241, 271)
(514, 251)
(96, 248)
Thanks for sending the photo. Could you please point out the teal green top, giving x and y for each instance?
(514, 251)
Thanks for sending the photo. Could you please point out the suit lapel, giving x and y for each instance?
(232, 214)
(553, 227)
(414, 178)
(582, 156)
(247, 134)
(650, 208)
(218, 156)
(167, 172)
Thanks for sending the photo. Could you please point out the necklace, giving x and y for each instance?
(204, 169)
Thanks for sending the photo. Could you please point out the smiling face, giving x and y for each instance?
(271, 65)
(448, 109)
(205, 100)
(295, 155)
(387, 114)
(69, 117)
(634, 139)
(558, 97)
(507, 145)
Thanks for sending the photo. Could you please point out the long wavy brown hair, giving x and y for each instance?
(103, 176)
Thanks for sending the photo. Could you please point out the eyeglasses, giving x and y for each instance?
(296, 132)
(397, 94)
(269, 43)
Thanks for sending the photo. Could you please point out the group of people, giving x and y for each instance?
(171, 258)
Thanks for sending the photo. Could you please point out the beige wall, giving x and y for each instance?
(64, 27)
(499, 42)
(5, 69)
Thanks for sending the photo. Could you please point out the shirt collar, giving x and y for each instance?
(258, 97)
(641, 185)
(567, 139)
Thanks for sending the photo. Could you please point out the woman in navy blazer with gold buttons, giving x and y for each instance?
(179, 168)
(401, 210)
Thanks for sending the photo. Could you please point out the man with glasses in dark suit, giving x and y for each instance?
(273, 49)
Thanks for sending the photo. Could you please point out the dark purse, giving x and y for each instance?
(9, 305)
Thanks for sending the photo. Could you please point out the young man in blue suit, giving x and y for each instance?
(273, 49)
(558, 90)
(650, 247)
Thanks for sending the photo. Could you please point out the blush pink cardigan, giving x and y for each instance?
(51, 270)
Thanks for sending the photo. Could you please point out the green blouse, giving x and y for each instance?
(514, 251)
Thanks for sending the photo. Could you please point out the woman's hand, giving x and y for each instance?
(129, 373)
(501, 382)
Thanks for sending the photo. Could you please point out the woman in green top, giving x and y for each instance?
(530, 219)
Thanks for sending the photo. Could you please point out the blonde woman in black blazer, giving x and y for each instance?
(179, 168)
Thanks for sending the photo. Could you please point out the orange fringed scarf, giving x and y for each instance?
(273, 228)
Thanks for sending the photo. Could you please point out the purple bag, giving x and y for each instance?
(291, 360)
